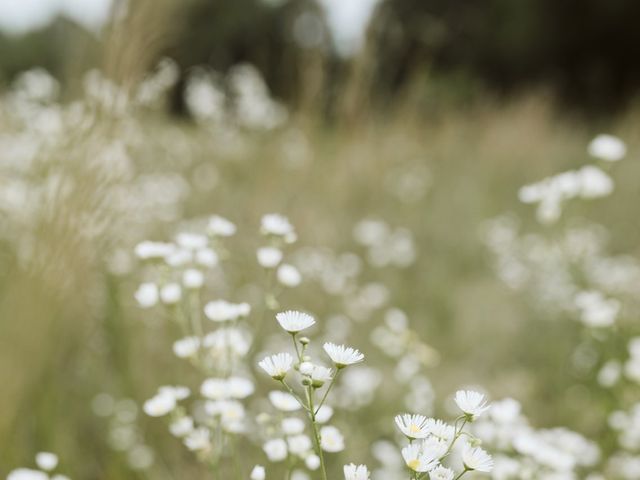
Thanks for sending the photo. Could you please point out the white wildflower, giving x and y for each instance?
(47, 460)
(331, 440)
(277, 365)
(220, 227)
(343, 356)
(356, 472)
(293, 321)
(471, 403)
(269, 257)
(476, 459)
(147, 295)
(607, 147)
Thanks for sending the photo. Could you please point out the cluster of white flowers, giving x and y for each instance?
(335, 273)
(215, 340)
(287, 440)
(570, 272)
(385, 245)
(433, 444)
(90, 142)
(248, 105)
(554, 270)
(46, 462)
(587, 182)
(549, 194)
(524, 452)
(278, 233)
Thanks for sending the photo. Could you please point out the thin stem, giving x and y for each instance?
(326, 393)
(213, 465)
(291, 464)
(456, 433)
(295, 395)
(295, 345)
(316, 434)
(236, 459)
(462, 473)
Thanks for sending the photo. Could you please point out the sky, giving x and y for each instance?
(21, 16)
(347, 19)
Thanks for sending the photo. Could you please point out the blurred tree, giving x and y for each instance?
(221, 34)
(62, 48)
(583, 49)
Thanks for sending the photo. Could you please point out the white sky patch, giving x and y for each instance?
(21, 16)
(348, 21)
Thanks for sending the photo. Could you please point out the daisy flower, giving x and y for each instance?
(312, 461)
(220, 227)
(292, 426)
(331, 440)
(434, 447)
(477, 459)
(27, 474)
(275, 449)
(198, 440)
(46, 460)
(181, 427)
(471, 403)
(288, 275)
(192, 278)
(607, 147)
(147, 295)
(214, 388)
(276, 224)
(299, 445)
(320, 375)
(159, 405)
(440, 429)
(223, 311)
(277, 365)
(293, 321)
(171, 293)
(269, 257)
(416, 460)
(258, 473)
(324, 414)
(356, 472)
(191, 241)
(283, 401)
(441, 473)
(413, 426)
(186, 347)
(153, 250)
(240, 387)
(343, 356)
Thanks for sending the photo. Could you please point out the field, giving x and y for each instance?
(411, 244)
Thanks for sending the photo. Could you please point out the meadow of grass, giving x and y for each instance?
(81, 185)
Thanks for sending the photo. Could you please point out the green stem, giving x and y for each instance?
(236, 459)
(326, 393)
(295, 395)
(295, 345)
(456, 434)
(213, 465)
(291, 464)
(316, 434)
(462, 473)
